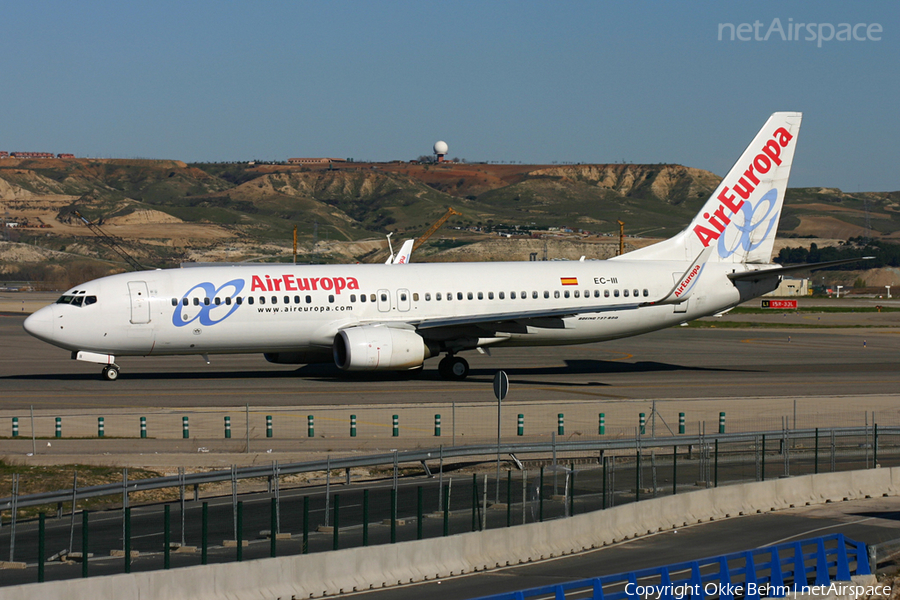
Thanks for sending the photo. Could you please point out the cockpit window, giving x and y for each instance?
(77, 300)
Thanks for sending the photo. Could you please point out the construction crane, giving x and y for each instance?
(621, 237)
(110, 242)
(435, 227)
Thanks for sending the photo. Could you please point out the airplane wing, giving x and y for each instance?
(778, 271)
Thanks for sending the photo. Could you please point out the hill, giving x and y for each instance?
(167, 211)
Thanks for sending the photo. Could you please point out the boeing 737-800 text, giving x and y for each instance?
(379, 317)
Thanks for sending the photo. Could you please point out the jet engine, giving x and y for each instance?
(376, 347)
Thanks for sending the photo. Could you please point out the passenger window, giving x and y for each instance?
(262, 299)
(596, 293)
(428, 297)
(449, 296)
(331, 298)
(635, 293)
(437, 296)
(577, 294)
(470, 296)
(534, 295)
(646, 293)
(512, 295)
(490, 295)
(362, 298)
(287, 299)
(546, 294)
(616, 293)
(384, 297)
(481, 295)
(228, 301)
(274, 299)
(566, 293)
(606, 293)
(296, 299)
(196, 301)
(174, 301)
(218, 301)
(239, 300)
(415, 296)
(402, 297)
(184, 301)
(501, 295)
(625, 293)
(556, 294)
(523, 295)
(352, 297)
(250, 300)
(206, 301)
(372, 297)
(459, 296)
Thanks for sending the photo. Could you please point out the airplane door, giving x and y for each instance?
(403, 300)
(140, 302)
(384, 300)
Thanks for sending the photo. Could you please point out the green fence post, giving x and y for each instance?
(396, 424)
(240, 530)
(365, 518)
(602, 429)
(42, 544)
(305, 524)
(273, 528)
(437, 425)
(227, 428)
(268, 426)
(335, 544)
(643, 422)
(352, 425)
(143, 427)
(58, 427)
(721, 422)
(560, 424)
(204, 534)
(681, 423)
(520, 425)
(15, 426)
(100, 427)
(185, 430)
(127, 539)
(310, 426)
(84, 543)
(167, 542)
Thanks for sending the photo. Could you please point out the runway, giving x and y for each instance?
(681, 362)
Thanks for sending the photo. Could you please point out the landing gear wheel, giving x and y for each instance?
(453, 368)
(111, 372)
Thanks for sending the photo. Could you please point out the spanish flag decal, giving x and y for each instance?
(568, 280)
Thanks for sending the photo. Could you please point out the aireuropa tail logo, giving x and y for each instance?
(795, 32)
(207, 303)
(750, 222)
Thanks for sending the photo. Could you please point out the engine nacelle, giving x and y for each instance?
(376, 347)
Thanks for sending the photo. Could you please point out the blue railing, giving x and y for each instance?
(771, 572)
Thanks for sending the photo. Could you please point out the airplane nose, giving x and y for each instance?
(40, 324)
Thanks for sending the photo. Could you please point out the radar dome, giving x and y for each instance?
(440, 148)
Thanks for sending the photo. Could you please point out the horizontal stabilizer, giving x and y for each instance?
(759, 274)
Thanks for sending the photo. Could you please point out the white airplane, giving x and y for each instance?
(373, 317)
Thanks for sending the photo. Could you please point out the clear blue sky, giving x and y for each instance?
(517, 81)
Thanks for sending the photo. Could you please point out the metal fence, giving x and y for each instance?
(773, 572)
(378, 505)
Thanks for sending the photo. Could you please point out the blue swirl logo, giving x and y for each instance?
(181, 317)
(744, 240)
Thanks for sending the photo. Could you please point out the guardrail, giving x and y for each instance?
(773, 571)
(585, 448)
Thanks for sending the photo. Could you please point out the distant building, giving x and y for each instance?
(65, 156)
(31, 154)
(314, 161)
(791, 287)
(4, 154)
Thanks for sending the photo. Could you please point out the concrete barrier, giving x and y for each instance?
(356, 569)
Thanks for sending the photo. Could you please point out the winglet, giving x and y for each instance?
(688, 280)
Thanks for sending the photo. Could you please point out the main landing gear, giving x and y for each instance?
(453, 368)
(110, 372)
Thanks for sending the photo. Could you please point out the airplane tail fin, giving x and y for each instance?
(403, 253)
(741, 217)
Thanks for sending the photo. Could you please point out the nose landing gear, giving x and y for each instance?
(453, 368)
